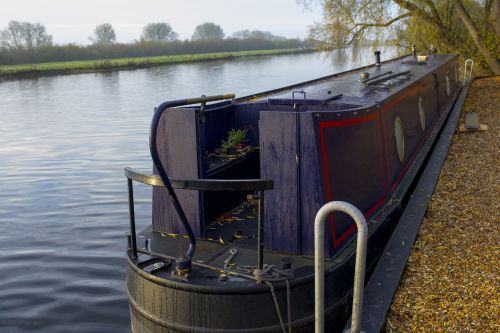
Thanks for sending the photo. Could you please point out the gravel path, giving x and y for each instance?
(452, 278)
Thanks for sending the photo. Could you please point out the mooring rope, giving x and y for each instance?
(276, 304)
(272, 273)
(266, 275)
(289, 305)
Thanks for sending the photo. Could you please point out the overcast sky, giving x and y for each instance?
(74, 20)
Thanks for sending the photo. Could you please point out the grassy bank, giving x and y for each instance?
(86, 66)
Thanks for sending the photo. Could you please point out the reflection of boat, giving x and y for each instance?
(359, 136)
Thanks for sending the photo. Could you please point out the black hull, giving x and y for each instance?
(158, 305)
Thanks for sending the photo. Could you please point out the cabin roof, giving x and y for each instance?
(353, 90)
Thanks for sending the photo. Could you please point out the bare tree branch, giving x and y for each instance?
(363, 26)
(434, 12)
(24, 35)
(425, 22)
(383, 25)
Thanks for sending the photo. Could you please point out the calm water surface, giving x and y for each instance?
(64, 142)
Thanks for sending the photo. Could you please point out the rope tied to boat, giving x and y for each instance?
(266, 275)
(277, 306)
(272, 273)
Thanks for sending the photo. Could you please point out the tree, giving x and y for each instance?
(104, 34)
(208, 31)
(242, 34)
(158, 32)
(24, 35)
(256, 34)
(463, 26)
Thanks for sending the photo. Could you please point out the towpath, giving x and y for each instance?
(452, 278)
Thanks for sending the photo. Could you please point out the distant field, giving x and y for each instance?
(68, 67)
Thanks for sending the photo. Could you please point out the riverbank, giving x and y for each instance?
(450, 283)
(71, 67)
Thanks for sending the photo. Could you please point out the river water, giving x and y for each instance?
(64, 141)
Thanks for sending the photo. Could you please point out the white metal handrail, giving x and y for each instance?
(319, 263)
(468, 77)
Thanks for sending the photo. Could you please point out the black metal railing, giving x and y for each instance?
(256, 185)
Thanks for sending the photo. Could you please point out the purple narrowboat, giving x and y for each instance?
(237, 184)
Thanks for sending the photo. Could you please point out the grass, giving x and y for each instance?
(69, 67)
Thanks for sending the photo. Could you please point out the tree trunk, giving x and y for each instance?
(474, 33)
(496, 16)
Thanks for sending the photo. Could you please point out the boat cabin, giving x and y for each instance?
(349, 137)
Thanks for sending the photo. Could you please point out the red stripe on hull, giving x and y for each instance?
(348, 122)
(371, 210)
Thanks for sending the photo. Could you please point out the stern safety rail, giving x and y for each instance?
(256, 185)
(319, 263)
(468, 73)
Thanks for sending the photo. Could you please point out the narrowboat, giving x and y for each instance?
(237, 183)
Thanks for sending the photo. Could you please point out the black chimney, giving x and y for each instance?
(377, 58)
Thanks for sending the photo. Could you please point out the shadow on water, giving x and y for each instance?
(63, 205)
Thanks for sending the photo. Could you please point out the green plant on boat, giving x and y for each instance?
(235, 139)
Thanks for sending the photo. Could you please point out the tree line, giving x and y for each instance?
(470, 28)
(27, 43)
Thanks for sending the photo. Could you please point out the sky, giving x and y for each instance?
(74, 20)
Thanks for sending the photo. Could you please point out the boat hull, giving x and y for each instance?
(313, 154)
(161, 305)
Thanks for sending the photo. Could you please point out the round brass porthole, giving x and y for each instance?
(400, 138)
(421, 112)
(448, 89)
